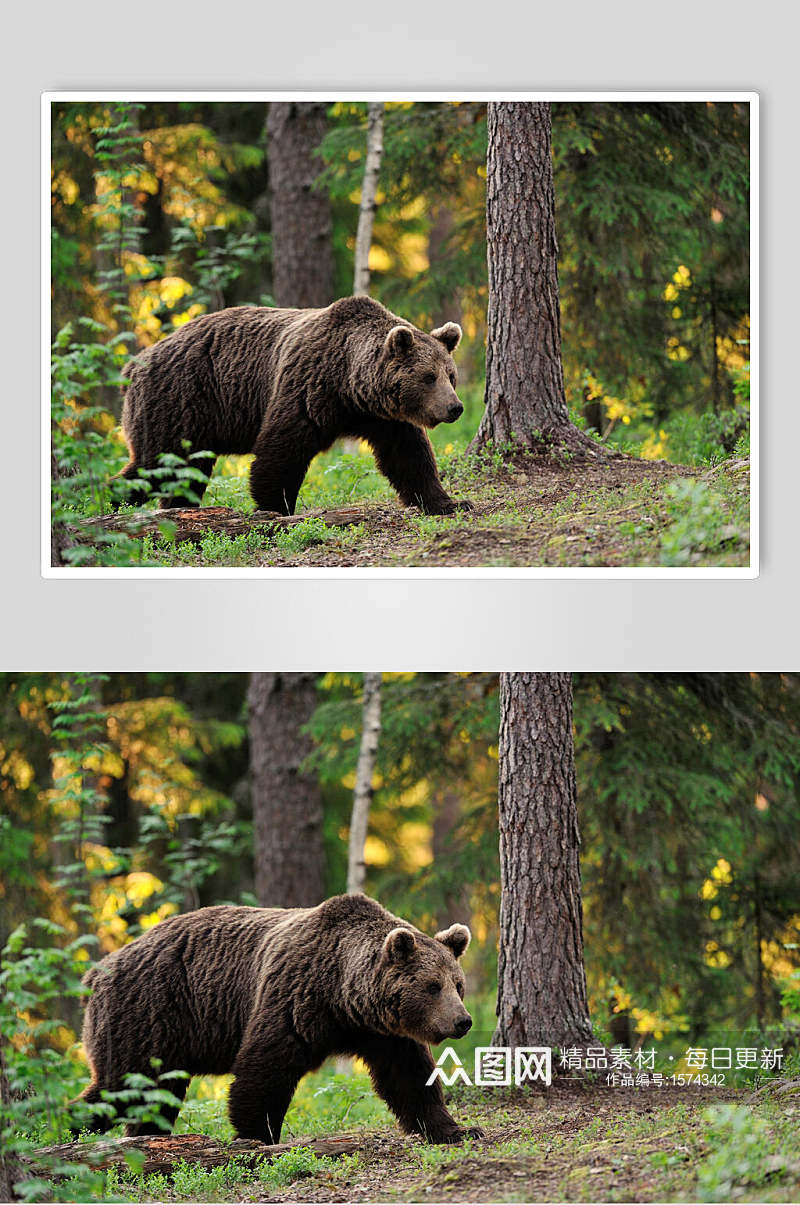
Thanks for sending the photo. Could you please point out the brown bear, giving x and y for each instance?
(285, 384)
(269, 994)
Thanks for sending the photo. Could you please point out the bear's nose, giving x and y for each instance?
(463, 1026)
(455, 411)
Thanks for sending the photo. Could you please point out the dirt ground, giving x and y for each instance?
(538, 514)
(572, 1143)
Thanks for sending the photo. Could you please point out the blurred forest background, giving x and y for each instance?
(163, 211)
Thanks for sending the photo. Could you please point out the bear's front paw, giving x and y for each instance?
(459, 1134)
(452, 505)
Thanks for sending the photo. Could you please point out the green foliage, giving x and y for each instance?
(790, 991)
(296, 1164)
(302, 535)
(35, 981)
(652, 213)
(216, 257)
(117, 147)
(697, 527)
(688, 800)
(198, 1184)
(742, 1153)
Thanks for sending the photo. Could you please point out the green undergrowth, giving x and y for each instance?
(586, 1145)
(519, 519)
(528, 511)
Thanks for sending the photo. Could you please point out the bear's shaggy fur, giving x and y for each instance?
(268, 994)
(285, 384)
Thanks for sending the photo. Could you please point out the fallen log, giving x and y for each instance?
(161, 1152)
(193, 523)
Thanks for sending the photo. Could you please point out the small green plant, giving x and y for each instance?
(790, 992)
(342, 1093)
(296, 1164)
(302, 535)
(740, 1153)
(697, 526)
(198, 1184)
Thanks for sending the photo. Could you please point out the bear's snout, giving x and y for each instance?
(463, 1026)
(454, 412)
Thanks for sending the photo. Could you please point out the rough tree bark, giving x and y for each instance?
(287, 805)
(541, 999)
(447, 810)
(369, 189)
(362, 795)
(442, 222)
(525, 399)
(302, 254)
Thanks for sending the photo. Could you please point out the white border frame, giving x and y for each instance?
(330, 573)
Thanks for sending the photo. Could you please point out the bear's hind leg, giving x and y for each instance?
(283, 452)
(267, 1074)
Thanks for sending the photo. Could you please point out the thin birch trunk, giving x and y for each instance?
(369, 189)
(366, 218)
(362, 796)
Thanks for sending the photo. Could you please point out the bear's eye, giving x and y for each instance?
(460, 990)
(434, 988)
(453, 379)
(430, 378)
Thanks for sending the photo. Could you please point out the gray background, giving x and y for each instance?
(400, 623)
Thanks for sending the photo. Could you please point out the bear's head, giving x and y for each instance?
(422, 985)
(418, 375)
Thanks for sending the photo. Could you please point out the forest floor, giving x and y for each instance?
(528, 511)
(570, 1142)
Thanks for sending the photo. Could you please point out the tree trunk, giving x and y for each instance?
(525, 400)
(369, 189)
(447, 809)
(541, 999)
(302, 253)
(439, 232)
(362, 795)
(759, 970)
(287, 805)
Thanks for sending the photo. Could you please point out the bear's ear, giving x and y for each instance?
(456, 938)
(399, 945)
(449, 334)
(399, 340)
